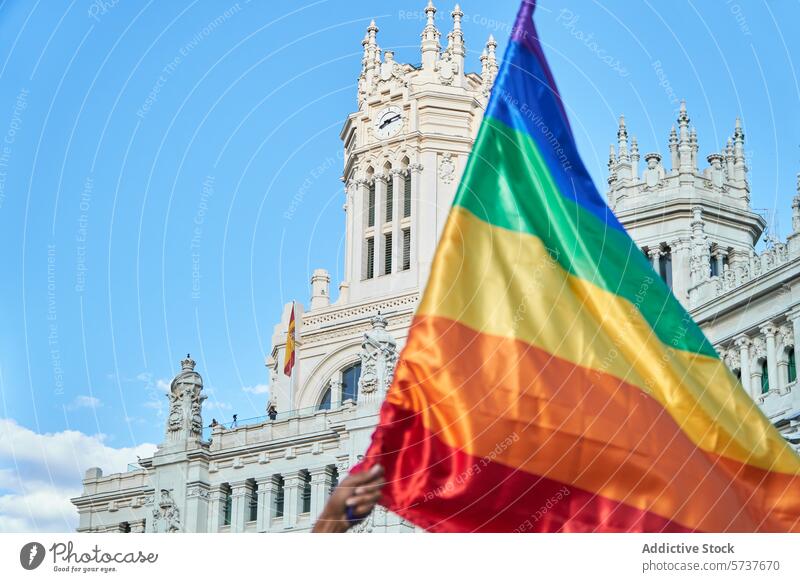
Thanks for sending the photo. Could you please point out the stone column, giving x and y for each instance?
(360, 209)
(415, 174)
(794, 317)
(291, 499)
(240, 491)
(769, 332)
(321, 480)
(743, 343)
(217, 512)
(196, 517)
(351, 237)
(266, 499)
(381, 180)
(719, 257)
(335, 384)
(397, 238)
(655, 259)
(681, 250)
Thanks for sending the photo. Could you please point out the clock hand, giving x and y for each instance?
(388, 121)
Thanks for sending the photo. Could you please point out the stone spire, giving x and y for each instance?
(622, 140)
(729, 159)
(684, 141)
(430, 39)
(489, 64)
(695, 147)
(739, 167)
(673, 150)
(796, 208)
(455, 40)
(371, 53)
(634, 157)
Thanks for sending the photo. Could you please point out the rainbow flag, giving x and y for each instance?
(550, 381)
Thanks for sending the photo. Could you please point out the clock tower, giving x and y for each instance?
(405, 149)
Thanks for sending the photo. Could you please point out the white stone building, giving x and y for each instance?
(405, 149)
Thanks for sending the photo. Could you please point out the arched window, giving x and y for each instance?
(764, 377)
(350, 376)
(792, 366)
(325, 403)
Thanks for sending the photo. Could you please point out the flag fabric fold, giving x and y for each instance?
(550, 381)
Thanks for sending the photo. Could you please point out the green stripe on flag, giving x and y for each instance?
(507, 184)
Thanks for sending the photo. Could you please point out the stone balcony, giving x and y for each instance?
(739, 273)
(288, 425)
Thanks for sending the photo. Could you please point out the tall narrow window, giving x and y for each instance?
(334, 478)
(792, 368)
(350, 378)
(406, 249)
(764, 377)
(253, 505)
(665, 268)
(370, 258)
(371, 205)
(389, 200)
(305, 493)
(407, 196)
(279, 495)
(714, 268)
(387, 253)
(228, 506)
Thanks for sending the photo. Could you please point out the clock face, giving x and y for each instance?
(388, 122)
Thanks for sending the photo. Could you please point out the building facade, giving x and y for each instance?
(405, 148)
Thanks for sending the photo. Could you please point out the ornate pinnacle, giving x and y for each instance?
(622, 139)
(379, 321)
(188, 363)
(683, 117)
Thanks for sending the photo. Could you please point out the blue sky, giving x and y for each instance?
(151, 150)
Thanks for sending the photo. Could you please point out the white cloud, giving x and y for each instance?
(40, 472)
(257, 389)
(85, 402)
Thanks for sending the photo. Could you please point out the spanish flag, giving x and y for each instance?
(288, 360)
(550, 381)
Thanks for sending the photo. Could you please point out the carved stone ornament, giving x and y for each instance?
(378, 358)
(447, 168)
(166, 515)
(447, 67)
(185, 420)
